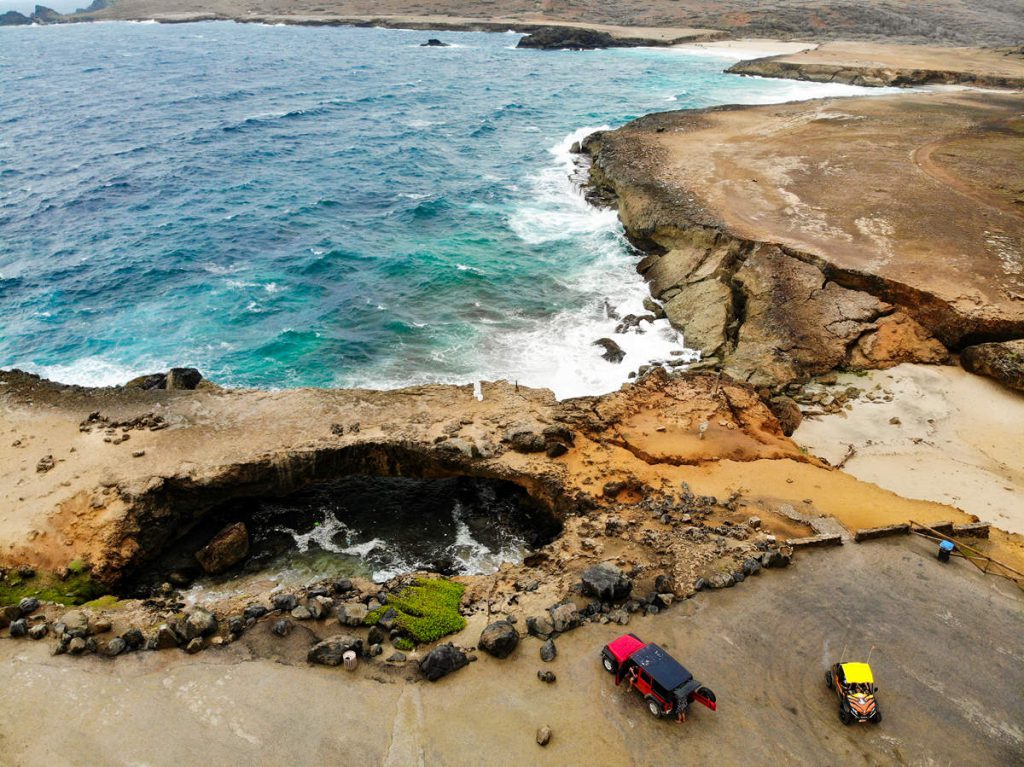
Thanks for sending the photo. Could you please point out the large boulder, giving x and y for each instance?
(499, 639)
(443, 660)
(606, 583)
(183, 379)
(1002, 361)
(331, 651)
(225, 550)
(567, 38)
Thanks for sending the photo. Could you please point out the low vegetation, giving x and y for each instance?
(427, 610)
(76, 588)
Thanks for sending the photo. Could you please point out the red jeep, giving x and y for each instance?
(667, 687)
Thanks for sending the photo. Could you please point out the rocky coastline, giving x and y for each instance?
(769, 303)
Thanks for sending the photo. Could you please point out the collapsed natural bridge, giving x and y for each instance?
(112, 477)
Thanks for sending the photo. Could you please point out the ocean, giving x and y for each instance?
(293, 206)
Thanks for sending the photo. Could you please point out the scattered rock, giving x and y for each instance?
(331, 651)
(225, 550)
(133, 639)
(546, 676)
(606, 583)
(76, 646)
(28, 605)
(284, 602)
(397, 657)
(39, 631)
(45, 464)
(302, 613)
(548, 651)
(166, 638)
(76, 623)
(282, 628)
(442, 660)
(543, 736)
(254, 612)
(194, 646)
(352, 614)
(199, 623)
(612, 351)
(19, 628)
(499, 639)
(115, 647)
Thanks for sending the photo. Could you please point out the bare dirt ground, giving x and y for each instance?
(944, 642)
(981, 22)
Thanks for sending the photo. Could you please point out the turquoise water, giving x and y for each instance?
(284, 206)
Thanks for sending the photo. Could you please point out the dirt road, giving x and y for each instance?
(948, 658)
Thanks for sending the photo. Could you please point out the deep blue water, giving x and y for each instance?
(284, 206)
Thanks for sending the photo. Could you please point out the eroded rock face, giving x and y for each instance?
(229, 547)
(1002, 361)
(764, 259)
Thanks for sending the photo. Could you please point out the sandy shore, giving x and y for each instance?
(946, 436)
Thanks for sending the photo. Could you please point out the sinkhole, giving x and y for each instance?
(375, 527)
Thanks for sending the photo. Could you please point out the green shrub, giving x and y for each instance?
(427, 610)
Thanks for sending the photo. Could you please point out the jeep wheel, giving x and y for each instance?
(844, 716)
(878, 715)
(654, 707)
(828, 679)
(705, 692)
(609, 664)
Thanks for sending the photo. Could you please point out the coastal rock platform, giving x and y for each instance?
(777, 240)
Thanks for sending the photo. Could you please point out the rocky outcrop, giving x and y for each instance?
(176, 379)
(569, 38)
(1002, 361)
(871, 76)
(836, 289)
(44, 15)
(433, 42)
(331, 651)
(14, 19)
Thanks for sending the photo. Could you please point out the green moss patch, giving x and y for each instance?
(78, 588)
(427, 610)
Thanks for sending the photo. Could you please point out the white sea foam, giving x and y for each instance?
(559, 353)
(91, 371)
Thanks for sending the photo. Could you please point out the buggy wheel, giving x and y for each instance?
(654, 708)
(844, 715)
(878, 714)
(609, 665)
(828, 679)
